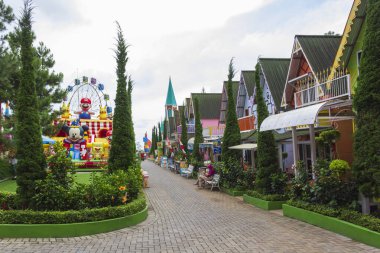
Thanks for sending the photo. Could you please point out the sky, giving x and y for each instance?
(190, 41)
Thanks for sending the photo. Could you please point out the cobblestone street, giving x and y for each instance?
(183, 218)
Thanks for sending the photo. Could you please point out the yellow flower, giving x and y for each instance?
(124, 199)
(122, 188)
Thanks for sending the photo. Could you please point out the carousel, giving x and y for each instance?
(86, 123)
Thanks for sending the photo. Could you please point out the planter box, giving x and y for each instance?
(70, 229)
(345, 228)
(263, 204)
(232, 192)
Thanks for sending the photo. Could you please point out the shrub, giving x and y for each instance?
(62, 217)
(5, 169)
(8, 201)
(339, 166)
(270, 197)
(232, 174)
(60, 166)
(351, 216)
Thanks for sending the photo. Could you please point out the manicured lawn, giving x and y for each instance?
(10, 185)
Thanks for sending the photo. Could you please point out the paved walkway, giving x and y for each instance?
(183, 218)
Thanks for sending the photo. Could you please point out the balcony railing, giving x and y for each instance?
(331, 89)
(247, 123)
(207, 131)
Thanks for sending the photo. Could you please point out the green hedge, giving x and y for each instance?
(271, 197)
(71, 216)
(367, 221)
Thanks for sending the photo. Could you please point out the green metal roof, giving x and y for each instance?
(249, 80)
(275, 71)
(170, 98)
(320, 50)
(209, 104)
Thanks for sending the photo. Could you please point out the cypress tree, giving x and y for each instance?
(267, 162)
(164, 138)
(198, 138)
(120, 158)
(31, 160)
(184, 129)
(366, 165)
(159, 132)
(156, 138)
(152, 145)
(231, 135)
(131, 134)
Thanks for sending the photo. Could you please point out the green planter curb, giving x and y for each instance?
(263, 204)
(345, 228)
(232, 192)
(71, 229)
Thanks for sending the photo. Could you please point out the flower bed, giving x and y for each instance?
(362, 228)
(28, 223)
(266, 202)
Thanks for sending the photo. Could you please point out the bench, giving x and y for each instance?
(214, 182)
(186, 172)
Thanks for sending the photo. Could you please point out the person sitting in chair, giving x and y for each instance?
(202, 178)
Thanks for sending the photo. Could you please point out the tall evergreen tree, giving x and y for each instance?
(159, 132)
(231, 135)
(31, 160)
(367, 103)
(198, 138)
(131, 132)
(120, 155)
(164, 135)
(156, 137)
(267, 162)
(153, 142)
(184, 129)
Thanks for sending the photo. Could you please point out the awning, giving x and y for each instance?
(245, 146)
(297, 117)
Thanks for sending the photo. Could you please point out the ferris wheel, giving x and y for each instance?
(92, 90)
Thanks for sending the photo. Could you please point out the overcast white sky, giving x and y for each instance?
(191, 41)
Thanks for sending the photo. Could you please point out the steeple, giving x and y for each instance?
(170, 98)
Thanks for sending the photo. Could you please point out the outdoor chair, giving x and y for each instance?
(186, 172)
(214, 182)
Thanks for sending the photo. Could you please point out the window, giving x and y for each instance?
(246, 112)
(359, 58)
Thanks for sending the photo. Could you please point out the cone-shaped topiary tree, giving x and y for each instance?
(120, 155)
(164, 135)
(131, 133)
(267, 162)
(367, 103)
(184, 129)
(31, 160)
(231, 135)
(198, 138)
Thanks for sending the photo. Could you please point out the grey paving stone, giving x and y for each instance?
(183, 218)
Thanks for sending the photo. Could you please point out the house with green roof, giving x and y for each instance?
(319, 88)
(171, 111)
(223, 103)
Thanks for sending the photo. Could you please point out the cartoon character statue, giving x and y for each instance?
(85, 104)
(103, 113)
(75, 142)
(97, 151)
(65, 111)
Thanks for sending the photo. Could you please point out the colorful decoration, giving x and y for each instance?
(75, 142)
(65, 111)
(103, 113)
(93, 80)
(7, 112)
(147, 143)
(85, 104)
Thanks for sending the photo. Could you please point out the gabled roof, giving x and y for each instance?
(209, 104)
(249, 80)
(351, 32)
(275, 71)
(170, 98)
(320, 50)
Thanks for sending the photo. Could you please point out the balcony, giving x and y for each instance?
(207, 131)
(328, 90)
(247, 123)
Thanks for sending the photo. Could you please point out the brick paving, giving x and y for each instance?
(183, 218)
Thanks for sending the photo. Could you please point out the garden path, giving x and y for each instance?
(183, 218)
